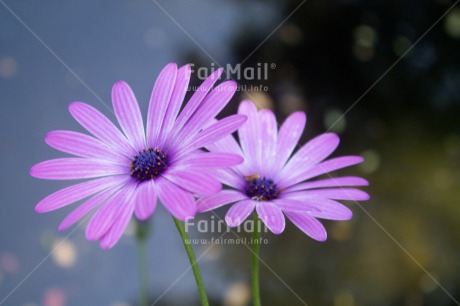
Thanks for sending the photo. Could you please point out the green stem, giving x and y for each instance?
(142, 232)
(193, 262)
(255, 261)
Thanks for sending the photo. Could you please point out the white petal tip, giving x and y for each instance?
(39, 209)
(33, 172)
(277, 231)
(105, 247)
(74, 105)
(171, 66)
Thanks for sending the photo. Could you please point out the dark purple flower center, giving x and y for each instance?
(262, 189)
(148, 164)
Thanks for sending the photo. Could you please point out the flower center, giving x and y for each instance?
(262, 189)
(148, 164)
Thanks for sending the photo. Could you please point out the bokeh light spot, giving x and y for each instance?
(213, 253)
(65, 253)
(290, 103)
(371, 162)
(452, 23)
(9, 262)
(260, 99)
(290, 34)
(365, 36)
(341, 231)
(54, 297)
(401, 44)
(8, 67)
(334, 120)
(344, 298)
(237, 295)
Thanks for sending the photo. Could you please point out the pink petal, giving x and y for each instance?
(269, 129)
(322, 168)
(228, 144)
(330, 182)
(179, 202)
(106, 215)
(76, 168)
(209, 160)
(101, 127)
(76, 193)
(239, 212)
(294, 205)
(271, 216)
(308, 224)
(145, 199)
(209, 108)
(229, 177)
(331, 210)
(315, 151)
(83, 209)
(250, 137)
(194, 102)
(217, 200)
(128, 114)
(323, 208)
(177, 98)
(112, 236)
(349, 194)
(197, 182)
(159, 101)
(216, 131)
(83, 145)
(288, 137)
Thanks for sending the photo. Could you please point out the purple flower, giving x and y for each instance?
(130, 170)
(275, 184)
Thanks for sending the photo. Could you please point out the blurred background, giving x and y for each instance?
(323, 57)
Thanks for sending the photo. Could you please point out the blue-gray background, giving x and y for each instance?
(327, 54)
